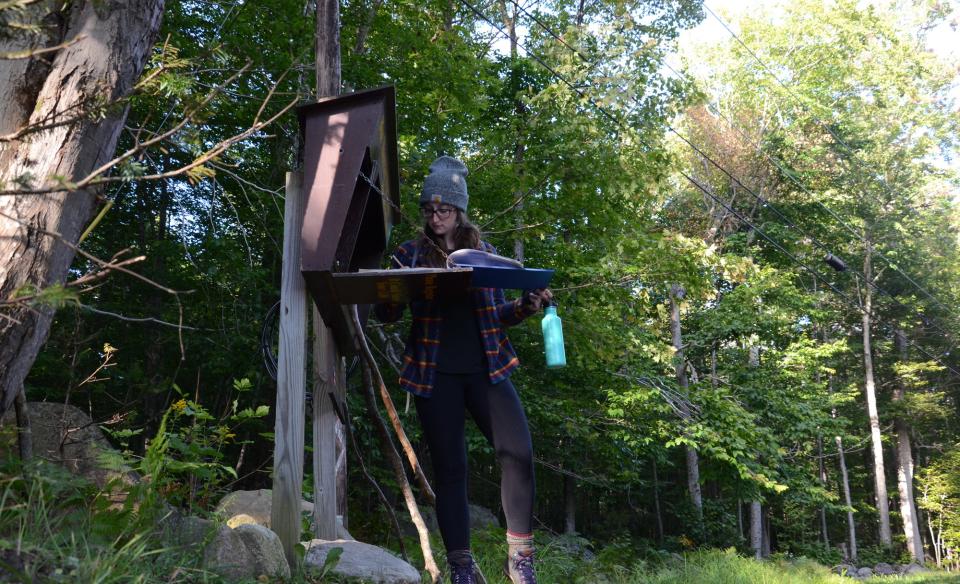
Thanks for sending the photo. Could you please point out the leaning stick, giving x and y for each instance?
(392, 412)
(430, 565)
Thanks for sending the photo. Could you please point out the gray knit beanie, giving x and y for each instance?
(446, 183)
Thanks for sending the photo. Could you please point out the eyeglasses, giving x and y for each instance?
(441, 212)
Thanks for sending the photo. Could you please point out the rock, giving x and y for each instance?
(253, 508)
(185, 530)
(845, 570)
(482, 518)
(864, 573)
(407, 527)
(912, 569)
(360, 560)
(884, 569)
(247, 552)
(573, 545)
(65, 435)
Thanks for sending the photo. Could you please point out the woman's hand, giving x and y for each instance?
(538, 298)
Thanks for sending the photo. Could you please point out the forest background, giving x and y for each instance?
(727, 386)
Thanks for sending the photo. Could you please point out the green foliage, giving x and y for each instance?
(601, 202)
(57, 527)
(185, 461)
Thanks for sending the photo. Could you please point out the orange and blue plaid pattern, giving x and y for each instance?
(494, 313)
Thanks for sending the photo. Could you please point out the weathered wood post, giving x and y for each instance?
(337, 219)
(329, 441)
(291, 378)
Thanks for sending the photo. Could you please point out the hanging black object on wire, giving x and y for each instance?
(835, 262)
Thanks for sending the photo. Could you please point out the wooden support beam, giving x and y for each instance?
(291, 378)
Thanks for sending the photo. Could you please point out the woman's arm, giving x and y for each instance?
(510, 312)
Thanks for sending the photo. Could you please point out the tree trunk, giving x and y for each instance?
(845, 481)
(656, 503)
(879, 476)
(680, 367)
(756, 529)
(908, 508)
(756, 515)
(519, 111)
(823, 484)
(113, 42)
(569, 504)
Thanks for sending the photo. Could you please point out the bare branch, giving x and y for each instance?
(89, 308)
(30, 53)
(516, 202)
(88, 255)
(138, 147)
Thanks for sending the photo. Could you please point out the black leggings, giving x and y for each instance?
(497, 411)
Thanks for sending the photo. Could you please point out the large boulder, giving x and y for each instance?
(845, 570)
(254, 507)
(912, 569)
(185, 531)
(247, 552)
(864, 573)
(66, 435)
(884, 569)
(360, 560)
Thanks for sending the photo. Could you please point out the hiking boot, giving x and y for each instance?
(519, 567)
(463, 570)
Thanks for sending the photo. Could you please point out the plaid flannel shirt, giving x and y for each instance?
(493, 311)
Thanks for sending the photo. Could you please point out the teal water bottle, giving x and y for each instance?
(553, 338)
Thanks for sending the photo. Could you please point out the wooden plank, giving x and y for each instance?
(325, 358)
(291, 378)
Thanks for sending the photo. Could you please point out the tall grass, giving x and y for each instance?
(57, 527)
(560, 561)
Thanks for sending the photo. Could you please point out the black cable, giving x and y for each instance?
(701, 187)
(768, 205)
(268, 332)
(765, 203)
(849, 150)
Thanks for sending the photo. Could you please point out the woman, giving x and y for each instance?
(458, 359)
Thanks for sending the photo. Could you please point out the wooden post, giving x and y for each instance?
(329, 445)
(291, 378)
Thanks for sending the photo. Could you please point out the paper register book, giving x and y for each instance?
(466, 268)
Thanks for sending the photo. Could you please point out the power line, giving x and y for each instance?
(693, 181)
(764, 202)
(790, 223)
(839, 140)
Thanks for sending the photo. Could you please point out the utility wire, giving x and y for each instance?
(693, 181)
(840, 141)
(760, 199)
(791, 224)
